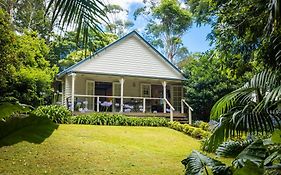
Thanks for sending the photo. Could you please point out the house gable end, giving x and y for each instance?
(129, 56)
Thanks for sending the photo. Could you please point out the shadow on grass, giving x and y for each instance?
(33, 130)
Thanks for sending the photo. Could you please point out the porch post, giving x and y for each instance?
(143, 106)
(164, 84)
(62, 93)
(72, 90)
(122, 94)
(66, 83)
(182, 106)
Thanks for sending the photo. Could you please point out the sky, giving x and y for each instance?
(194, 39)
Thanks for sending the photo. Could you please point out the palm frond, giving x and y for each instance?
(274, 8)
(250, 109)
(273, 97)
(81, 14)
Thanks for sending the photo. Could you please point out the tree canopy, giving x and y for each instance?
(167, 23)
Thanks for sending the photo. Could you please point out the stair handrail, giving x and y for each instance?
(190, 109)
(171, 109)
(183, 100)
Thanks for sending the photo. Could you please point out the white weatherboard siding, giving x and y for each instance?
(132, 57)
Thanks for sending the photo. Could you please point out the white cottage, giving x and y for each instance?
(127, 76)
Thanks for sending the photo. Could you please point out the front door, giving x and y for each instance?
(90, 90)
(177, 93)
(116, 91)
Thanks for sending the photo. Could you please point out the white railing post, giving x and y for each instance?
(182, 107)
(122, 94)
(72, 90)
(164, 84)
(143, 106)
(98, 104)
(62, 93)
(171, 115)
(94, 104)
(189, 116)
(189, 111)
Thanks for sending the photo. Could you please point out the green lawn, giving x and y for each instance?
(87, 149)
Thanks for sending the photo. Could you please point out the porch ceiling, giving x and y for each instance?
(116, 78)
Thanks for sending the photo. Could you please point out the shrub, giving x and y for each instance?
(197, 133)
(194, 132)
(203, 125)
(57, 114)
(117, 120)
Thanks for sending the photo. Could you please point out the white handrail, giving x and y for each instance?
(189, 110)
(169, 104)
(183, 100)
(171, 110)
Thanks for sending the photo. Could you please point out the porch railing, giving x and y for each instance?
(183, 102)
(142, 101)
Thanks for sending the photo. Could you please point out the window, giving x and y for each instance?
(145, 90)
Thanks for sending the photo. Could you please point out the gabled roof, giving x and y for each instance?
(71, 68)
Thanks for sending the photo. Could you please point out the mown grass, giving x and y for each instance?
(88, 149)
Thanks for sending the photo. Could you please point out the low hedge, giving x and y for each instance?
(201, 124)
(117, 120)
(60, 114)
(194, 132)
(56, 113)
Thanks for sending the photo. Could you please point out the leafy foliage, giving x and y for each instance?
(232, 148)
(240, 31)
(116, 25)
(28, 15)
(256, 158)
(8, 110)
(194, 132)
(26, 74)
(205, 83)
(256, 152)
(60, 114)
(33, 78)
(57, 114)
(117, 120)
(73, 57)
(197, 163)
(7, 58)
(252, 108)
(167, 23)
(84, 15)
